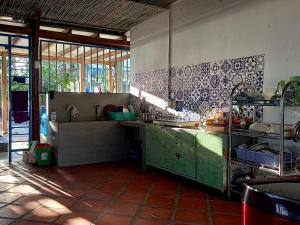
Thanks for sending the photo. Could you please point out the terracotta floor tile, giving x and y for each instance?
(150, 222)
(189, 203)
(146, 180)
(23, 189)
(109, 219)
(110, 188)
(131, 198)
(136, 189)
(168, 190)
(191, 192)
(5, 221)
(13, 180)
(90, 205)
(34, 200)
(47, 215)
(7, 197)
(14, 211)
(155, 200)
(59, 202)
(188, 216)
(125, 209)
(226, 206)
(97, 194)
(27, 222)
(77, 218)
(156, 213)
(224, 219)
(5, 186)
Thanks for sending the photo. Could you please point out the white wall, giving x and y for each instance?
(150, 44)
(208, 30)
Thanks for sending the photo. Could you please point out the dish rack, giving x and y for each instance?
(278, 164)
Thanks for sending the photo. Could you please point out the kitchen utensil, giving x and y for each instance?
(147, 117)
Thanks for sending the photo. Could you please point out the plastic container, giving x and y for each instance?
(121, 116)
(43, 154)
(262, 158)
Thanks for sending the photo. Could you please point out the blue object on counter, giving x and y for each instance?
(121, 116)
(262, 158)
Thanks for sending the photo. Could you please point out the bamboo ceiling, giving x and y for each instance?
(114, 15)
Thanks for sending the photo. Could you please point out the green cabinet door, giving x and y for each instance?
(169, 151)
(211, 162)
(153, 146)
(179, 153)
(186, 164)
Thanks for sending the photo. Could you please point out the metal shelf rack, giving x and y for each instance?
(282, 104)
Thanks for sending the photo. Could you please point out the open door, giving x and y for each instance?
(16, 87)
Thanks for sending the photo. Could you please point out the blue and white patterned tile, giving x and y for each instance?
(188, 72)
(215, 81)
(179, 95)
(173, 72)
(204, 108)
(195, 95)
(204, 94)
(172, 95)
(215, 68)
(236, 79)
(180, 71)
(196, 82)
(260, 62)
(226, 67)
(179, 105)
(196, 69)
(205, 69)
(204, 81)
(238, 65)
(202, 86)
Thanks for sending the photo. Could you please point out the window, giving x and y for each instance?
(68, 67)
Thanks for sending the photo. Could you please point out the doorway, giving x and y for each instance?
(15, 95)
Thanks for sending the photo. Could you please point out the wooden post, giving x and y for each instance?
(82, 75)
(4, 94)
(34, 61)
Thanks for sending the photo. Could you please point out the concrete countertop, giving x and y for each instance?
(192, 131)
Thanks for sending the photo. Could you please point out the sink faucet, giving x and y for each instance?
(72, 112)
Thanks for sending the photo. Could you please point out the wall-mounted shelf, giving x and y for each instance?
(281, 103)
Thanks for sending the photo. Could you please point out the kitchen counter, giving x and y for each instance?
(86, 142)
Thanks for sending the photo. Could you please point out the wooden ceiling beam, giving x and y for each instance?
(84, 39)
(15, 29)
(80, 39)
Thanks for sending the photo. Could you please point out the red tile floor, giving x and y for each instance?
(107, 194)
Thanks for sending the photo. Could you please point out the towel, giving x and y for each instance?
(19, 101)
(20, 117)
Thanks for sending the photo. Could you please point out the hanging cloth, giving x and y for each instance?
(20, 117)
(19, 101)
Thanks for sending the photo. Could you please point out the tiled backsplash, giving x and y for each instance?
(198, 89)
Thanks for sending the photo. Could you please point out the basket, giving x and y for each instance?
(121, 116)
(43, 155)
(262, 158)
